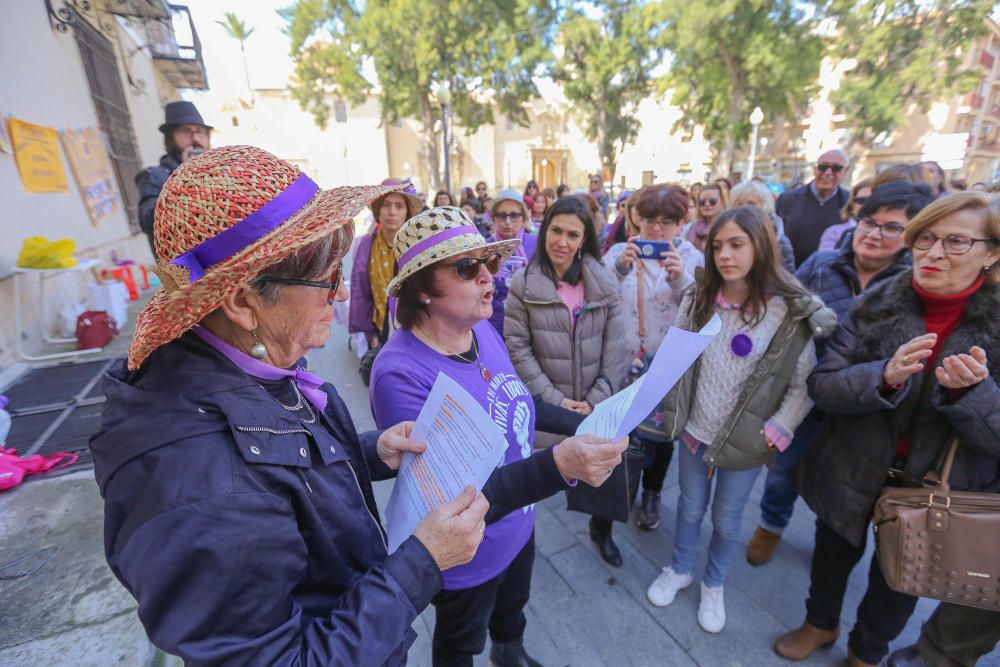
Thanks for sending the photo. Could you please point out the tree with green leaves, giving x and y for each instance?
(484, 51)
(240, 31)
(604, 69)
(904, 53)
(730, 56)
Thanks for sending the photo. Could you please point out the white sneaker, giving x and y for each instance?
(663, 591)
(711, 609)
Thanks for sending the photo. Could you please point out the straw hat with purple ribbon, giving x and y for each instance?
(437, 234)
(414, 204)
(223, 217)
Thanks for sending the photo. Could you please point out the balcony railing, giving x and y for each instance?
(176, 49)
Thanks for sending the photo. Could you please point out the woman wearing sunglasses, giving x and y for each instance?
(564, 326)
(444, 291)
(711, 202)
(834, 234)
(510, 215)
(914, 365)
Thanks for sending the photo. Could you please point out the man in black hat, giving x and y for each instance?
(185, 135)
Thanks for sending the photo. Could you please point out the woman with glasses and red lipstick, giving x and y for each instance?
(564, 326)
(914, 365)
(712, 200)
(443, 290)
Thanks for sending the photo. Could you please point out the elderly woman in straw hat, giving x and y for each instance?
(444, 294)
(238, 501)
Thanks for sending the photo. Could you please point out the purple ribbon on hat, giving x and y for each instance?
(435, 239)
(308, 383)
(199, 259)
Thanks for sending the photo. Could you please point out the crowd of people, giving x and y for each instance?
(859, 337)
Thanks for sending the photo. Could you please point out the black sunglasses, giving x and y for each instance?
(707, 202)
(467, 268)
(513, 217)
(332, 285)
(825, 166)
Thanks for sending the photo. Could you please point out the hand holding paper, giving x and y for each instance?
(588, 458)
(464, 446)
(615, 417)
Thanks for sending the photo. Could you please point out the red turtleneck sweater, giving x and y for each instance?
(942, 313)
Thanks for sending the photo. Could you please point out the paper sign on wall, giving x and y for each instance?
(36, 151)
(88, 159)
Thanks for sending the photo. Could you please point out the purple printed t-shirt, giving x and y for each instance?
(402, 377)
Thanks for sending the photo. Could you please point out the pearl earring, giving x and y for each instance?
(427, 302)
(258, 351)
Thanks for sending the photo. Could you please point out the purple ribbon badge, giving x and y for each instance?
(741, 345)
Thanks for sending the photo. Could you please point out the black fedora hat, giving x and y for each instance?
(181, 113)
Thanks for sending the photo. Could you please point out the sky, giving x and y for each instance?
(267, 49)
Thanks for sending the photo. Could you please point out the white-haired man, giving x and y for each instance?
(809, 209)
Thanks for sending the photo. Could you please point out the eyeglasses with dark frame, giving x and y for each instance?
(888, 230)
(467, 268)
(953, 244)
(513, 217)
(659, 222)
(332, 285)
(826, 166)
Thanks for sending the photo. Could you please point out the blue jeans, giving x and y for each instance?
(779, 489)
(732, 490)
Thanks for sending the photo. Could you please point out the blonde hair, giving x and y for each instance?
(747, 188)
(987, 205)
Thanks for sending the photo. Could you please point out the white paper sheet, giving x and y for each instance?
(464, 446)
(616, 416)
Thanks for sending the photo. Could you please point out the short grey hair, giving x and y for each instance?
(313, 262)
(747, 188)
(836, 151)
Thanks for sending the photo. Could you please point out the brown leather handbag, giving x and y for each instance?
(942, 544)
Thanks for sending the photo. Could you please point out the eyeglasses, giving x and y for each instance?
(826, 166)
(953, 244)
(889, 230)
(467, 268)
(708, 202)
(332, 285)
(659, 222)
(860, 201)
(513, 217)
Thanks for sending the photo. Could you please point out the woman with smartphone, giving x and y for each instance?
(653, 269)
(741, 401)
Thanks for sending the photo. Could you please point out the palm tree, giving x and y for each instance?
(238, 30)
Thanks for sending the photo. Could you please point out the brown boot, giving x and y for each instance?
(855, 661)
(799, 644)
(761, 547)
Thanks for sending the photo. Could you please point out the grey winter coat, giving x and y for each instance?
(740, 444)
(554, 359)
(844, 470)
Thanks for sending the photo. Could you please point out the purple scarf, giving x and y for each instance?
(308, 383)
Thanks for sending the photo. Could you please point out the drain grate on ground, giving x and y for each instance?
(57, 409)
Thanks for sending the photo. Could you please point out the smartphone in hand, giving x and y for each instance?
(653, 250)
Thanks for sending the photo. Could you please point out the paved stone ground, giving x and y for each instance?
(582, 612)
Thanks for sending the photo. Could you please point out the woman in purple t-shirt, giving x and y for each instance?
(444, 293)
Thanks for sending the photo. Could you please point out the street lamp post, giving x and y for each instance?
(444, 97)
(756, 118)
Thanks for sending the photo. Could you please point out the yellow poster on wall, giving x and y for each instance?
(88, 160)
(36, 151)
